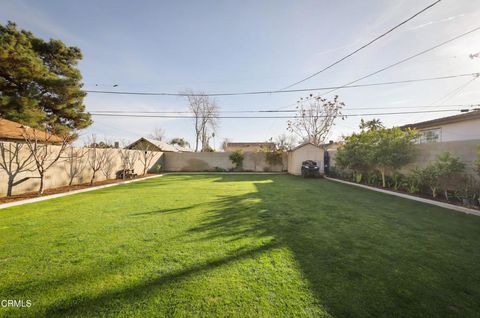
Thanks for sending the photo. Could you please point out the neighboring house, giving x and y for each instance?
(16, 132)
(453, 128)
(250, 146)
(306, 151)
(155, 145)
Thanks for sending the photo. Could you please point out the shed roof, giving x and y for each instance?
(306, 144)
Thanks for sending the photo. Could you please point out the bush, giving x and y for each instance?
(274, 158)
(439, 175)
(237, 158)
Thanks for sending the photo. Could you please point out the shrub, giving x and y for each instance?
(397, 180)
(440, 173)
(274, 158)
(413, 183)
(237, 158)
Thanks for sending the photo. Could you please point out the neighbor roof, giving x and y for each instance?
(10, 130)
(471, 115)
(245, 144)
(163, 146)
(182, 149)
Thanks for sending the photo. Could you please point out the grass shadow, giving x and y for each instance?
(364, 253)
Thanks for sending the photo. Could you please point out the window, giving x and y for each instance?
(429, 136)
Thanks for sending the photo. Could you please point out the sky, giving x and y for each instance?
(224, 46)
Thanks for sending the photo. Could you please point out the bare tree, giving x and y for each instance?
(225, 144)
(158, 134)
(284, 142)
(146, 158)
(109, 163)
(205, 111)
(96, 157)
(315, 118)
(128, 159)
(44, 154)
(74, 163)
(13, 161)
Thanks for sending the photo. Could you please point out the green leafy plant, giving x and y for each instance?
(237, 158)
(397, 179)
(377, 148)
(413, 183)
(440, 173)
(274, 158)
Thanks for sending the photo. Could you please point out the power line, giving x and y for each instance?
(273, 110)
(363, 46)
(284, 91)
(272, 117)
(404, 60)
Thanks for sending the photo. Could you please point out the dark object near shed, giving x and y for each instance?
(310, 169)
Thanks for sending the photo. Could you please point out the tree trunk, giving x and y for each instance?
(71, 181)
(382, 171)
(10, 186)
(93, 178)
(40, 189)
(434, 192)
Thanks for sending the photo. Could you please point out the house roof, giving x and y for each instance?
(161, 145)
(305, 144)
(10, 130)
(246, 144)
(471, 115)
(182, 149)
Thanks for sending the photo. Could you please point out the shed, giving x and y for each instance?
(306, 151)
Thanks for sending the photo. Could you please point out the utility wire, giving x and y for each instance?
(271, 117)
(362, 47)
(404, 60)
(273, 110)
(284, 91)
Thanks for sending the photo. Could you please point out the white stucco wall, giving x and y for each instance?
(466, 130)
(307, 152)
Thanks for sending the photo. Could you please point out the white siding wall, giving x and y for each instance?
(307, 152)
(467, 130)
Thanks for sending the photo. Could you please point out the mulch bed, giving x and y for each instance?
(31, 195)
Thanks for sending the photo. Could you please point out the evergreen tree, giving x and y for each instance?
(40, 84)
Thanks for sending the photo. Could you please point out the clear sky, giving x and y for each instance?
(218, 46)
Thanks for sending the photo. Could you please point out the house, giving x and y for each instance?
(15, 132)
(249, 146)
(156, 145)
(306, 151)
(461, 127)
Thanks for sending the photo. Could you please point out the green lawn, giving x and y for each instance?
(239, 245)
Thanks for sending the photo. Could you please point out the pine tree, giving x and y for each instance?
(40, 84)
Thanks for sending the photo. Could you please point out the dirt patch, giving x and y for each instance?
(31, 195)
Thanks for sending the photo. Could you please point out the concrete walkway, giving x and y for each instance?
(58, 195)
(414, 198)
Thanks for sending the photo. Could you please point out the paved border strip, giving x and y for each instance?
(414, 198)
(58, 195)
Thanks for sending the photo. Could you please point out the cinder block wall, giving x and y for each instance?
(210, 161)
(57, 175)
